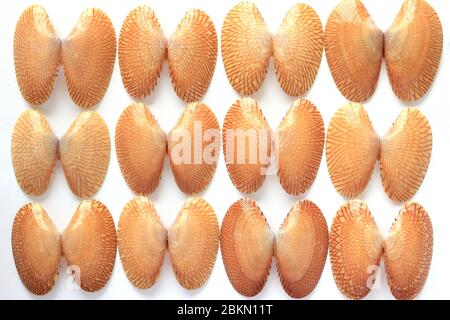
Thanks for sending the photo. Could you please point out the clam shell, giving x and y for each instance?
(299, 148)
(193, 147)
(246, 48)
(33, 150)
(142, 49)
(246, 243)
(355, 249)
(408, 249)
(88, 55)
(142, 241)
(413, 49)
(192, 55)
(354, 50)
(141, 148)
(85, 152)
(352, 149)
(36, 248)
(405, 154)
(89, 245)
(36, 55)
(194, 242)
(301, 248)
(247, 143)
(297, 49)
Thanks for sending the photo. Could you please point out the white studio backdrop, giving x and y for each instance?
(60, 203)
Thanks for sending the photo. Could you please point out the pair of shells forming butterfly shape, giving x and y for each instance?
(191, 53)
(84, 152)
(412, 47)
(88, 244)
(247, 46)
(192, 241)
(298, 146)
(356, 250)
(300, 248)
(353, 147)
(193, 146)
(88, 55)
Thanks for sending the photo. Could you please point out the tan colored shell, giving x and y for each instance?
(405, 154)
(301, 248)
(355, 249)
(299, 148)
(36, 55)
(141, 148)
(297, 49)
(354, 50)
(247, 143)
(192, 55)
(33, 150)
(88, 55)
(246, 48)
(85, 151)
(142, 50)
(408, 249)
(194, 242)
(142, 241)
(194, 146)
(89, 245)
(352, 149)
(36, 248)
(246, 244)
(413, 49)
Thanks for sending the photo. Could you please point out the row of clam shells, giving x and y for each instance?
(354, 48)
(247, 245)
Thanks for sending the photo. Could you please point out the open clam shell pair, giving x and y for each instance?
(88, 245)
(298, 146)
(247, 46)
(88, 55)
(300, 248)
(192, 241)
(412, 47)
(191, 53)
(84, 152)
(353, 147)
(193, 146)
(356, 250)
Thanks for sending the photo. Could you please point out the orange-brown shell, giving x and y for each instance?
(194, 242)
(142, 242)
(352, 148)
(299, 147)
(408, 249)
(33, 150)
(297, 49)
(142, 49)
(246, 243)
(405, 154)
(141, 148)
(36, 55)
(246, 48)
(36, 248)
(354, 50)
(355, 249)
(301, 248)
(85, 152)
(194, 146)
(413, 49)
(247, 143)
(89, 245)
(192, 55)
(88, 55)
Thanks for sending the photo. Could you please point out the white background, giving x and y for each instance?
(60, 203)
